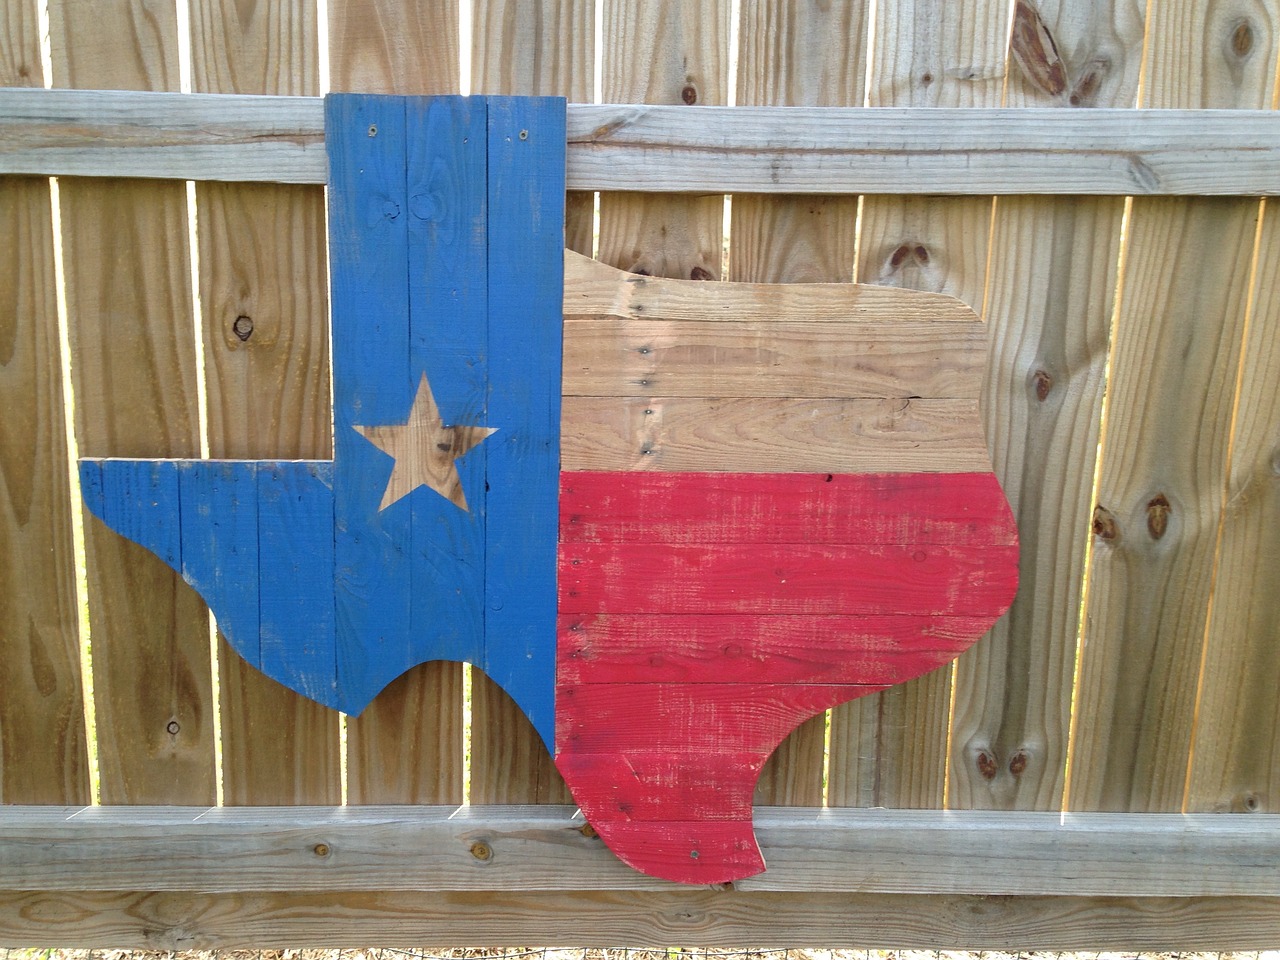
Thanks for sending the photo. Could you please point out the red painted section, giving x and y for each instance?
(704, 616)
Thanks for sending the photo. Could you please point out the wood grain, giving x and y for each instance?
(262, 279)
(541, 48)
(544, 48)
(43, 757)
(133, 362)
(935, 54)
(1163, 481)
(1050, 297)
(666, 149)
(1234, 746)
(374, 48)
(181, 921)
(533, 850)
(659, 51)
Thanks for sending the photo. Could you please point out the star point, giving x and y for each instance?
(425, 450)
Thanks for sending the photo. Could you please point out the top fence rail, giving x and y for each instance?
(672, 149)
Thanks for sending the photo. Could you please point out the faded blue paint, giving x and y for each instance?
(446, 238)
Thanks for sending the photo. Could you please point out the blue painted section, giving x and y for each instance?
(448, 307)
(219, 516)
(295, 578)
(372, 383)
(446, 258)
(526, 283)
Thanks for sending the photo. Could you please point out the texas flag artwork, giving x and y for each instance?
(672, 519)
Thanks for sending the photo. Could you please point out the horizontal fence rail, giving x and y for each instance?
(671, 149)
(263, 849)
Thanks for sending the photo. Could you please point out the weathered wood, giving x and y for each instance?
(1235, 742)
(1179, 332)
(544, 48)
(375, 48)
(302, 849)
(181, 921)
(666, 149)
(660, 51)
(1051, 290)
(262, 292)
(406, 747)
(128, 282)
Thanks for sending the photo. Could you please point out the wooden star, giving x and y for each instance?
(425, 450)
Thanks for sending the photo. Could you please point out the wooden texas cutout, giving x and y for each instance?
(672, 519)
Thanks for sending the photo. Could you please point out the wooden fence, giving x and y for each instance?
(1132, 408)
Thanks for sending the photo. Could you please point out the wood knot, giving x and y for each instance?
(481, 851)
(986, 765)
(1018, 763)
(320, 849)
(1043, 381)
(242, 327)
(1242, 39)
(689, 94)
(1158, 510)
(173, 727)
(1104, 524)
(588, 831)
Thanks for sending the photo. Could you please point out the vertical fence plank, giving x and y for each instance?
(798, 54)
(663, 51)
(1051, 292)
(406, 747)
(540, 48)
(262, 291)
(924, 53)
(387, 46)
(128, 282)
(1236, 744)
(1174, 365)
(543, 48)
(43, 757)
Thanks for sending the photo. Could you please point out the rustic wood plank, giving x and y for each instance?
(772, 436)
(1050, 297)
(927, 54)
(43, 755)
(133, 363)
(183, 921)
(534, 849)
(406, 747)
(544, 48)
(375, 48)
(666, 149)
(658, 51)
(540, 49)
(1234, 746)
(1163, 480)
(262, 279)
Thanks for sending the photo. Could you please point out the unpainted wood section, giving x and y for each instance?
(43, 756)
(1172, 388)
(375, 48)
(540, 48)
(262, 291)
(711, 918)
(662, 51)
(936, 54)
(1236, 747)
(1050, 298)
(128, 281)
(768, 435)
(379, 46)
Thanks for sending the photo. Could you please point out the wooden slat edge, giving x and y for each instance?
(667, 149)
(544, 848)
(184, 921)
